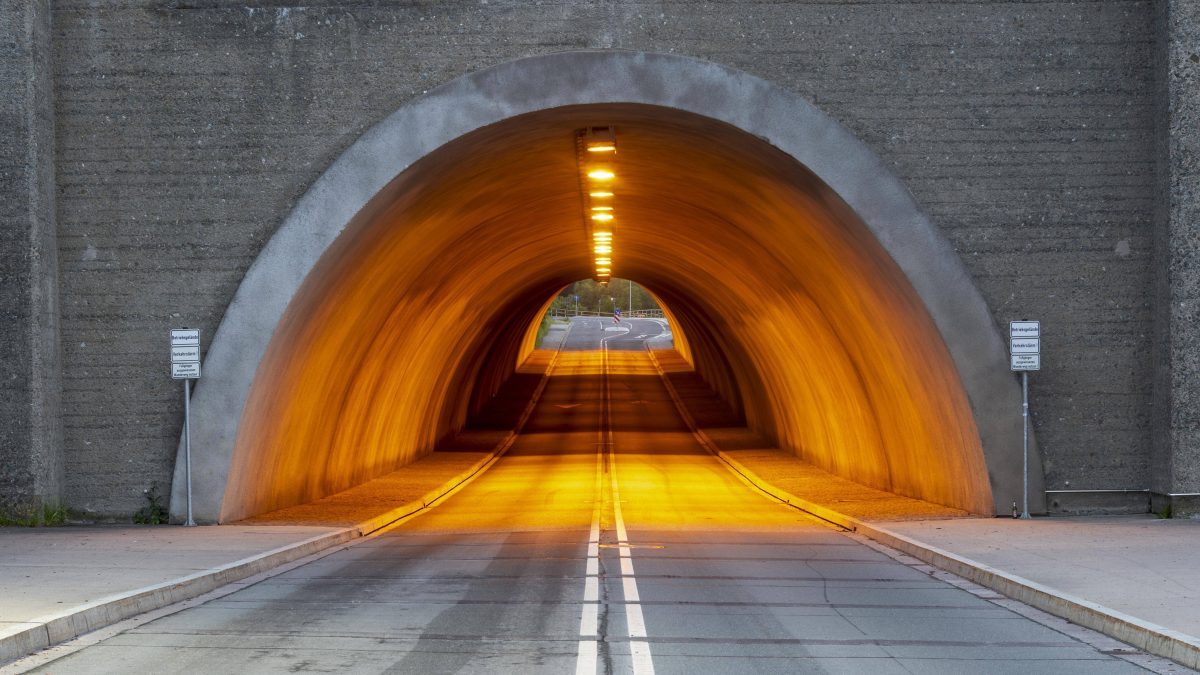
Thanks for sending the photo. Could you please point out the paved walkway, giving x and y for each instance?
(1140, 565)
(49, 570)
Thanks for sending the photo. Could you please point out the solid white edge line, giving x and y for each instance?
(639, 650)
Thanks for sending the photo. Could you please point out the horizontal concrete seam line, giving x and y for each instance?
(373, 525)
(105, 611)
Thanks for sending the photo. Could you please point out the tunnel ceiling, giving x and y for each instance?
(421, 308)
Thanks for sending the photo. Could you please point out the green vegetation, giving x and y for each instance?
(543, 328)
(596, 298)
(47, 516)
(153, 513)
(1164, 512)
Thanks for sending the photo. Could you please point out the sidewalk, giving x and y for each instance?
(1139, 565)
(58, 583)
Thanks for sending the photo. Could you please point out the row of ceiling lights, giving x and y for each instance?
(596, 150)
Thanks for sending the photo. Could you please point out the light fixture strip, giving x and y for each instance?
(595, 154)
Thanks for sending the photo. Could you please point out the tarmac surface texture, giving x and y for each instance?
(605, 540)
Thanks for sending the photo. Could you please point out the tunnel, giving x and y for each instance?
(828, 322)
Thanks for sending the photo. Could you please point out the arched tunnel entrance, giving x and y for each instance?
(393, 304)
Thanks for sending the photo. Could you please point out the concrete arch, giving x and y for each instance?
(849, 185)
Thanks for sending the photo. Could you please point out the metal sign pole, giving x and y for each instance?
(1025, 432)
(187, 446)
(185, 365)
(1025, 354)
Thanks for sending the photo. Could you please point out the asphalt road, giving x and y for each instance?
(589, 333)
(606, 540)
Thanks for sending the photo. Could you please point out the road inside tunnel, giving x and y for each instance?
(605, 540)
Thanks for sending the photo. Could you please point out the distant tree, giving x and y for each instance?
(596, 298)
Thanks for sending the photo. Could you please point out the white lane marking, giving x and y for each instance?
(629, 587)
(639, 649)
(589, 624)
(642, 663)
(587, 653)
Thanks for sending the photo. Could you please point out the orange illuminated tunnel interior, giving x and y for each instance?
(424, 307)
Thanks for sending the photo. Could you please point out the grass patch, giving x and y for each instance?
(48, 516)
(153, 513)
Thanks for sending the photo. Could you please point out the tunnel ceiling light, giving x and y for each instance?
(595, 177)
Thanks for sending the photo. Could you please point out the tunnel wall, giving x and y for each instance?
(1023, 129)
(310, 241)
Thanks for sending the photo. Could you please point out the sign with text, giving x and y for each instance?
(185, 353)
(1025, 345)
(1021, 362)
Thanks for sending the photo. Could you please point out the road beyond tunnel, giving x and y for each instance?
(605, 540)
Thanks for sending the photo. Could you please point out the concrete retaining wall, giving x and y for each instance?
(187, 130)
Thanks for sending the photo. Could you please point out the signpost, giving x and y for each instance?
(1025, 354)
(185, 365)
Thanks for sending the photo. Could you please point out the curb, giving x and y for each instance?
(47, 631)
(1152, 638)
(53, 629)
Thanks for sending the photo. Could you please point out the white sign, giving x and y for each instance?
(186, 371)
(1021, 362)
(1025, 345)
(185, 354)
(181, 354)
(1024, 329)
(185, 337)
